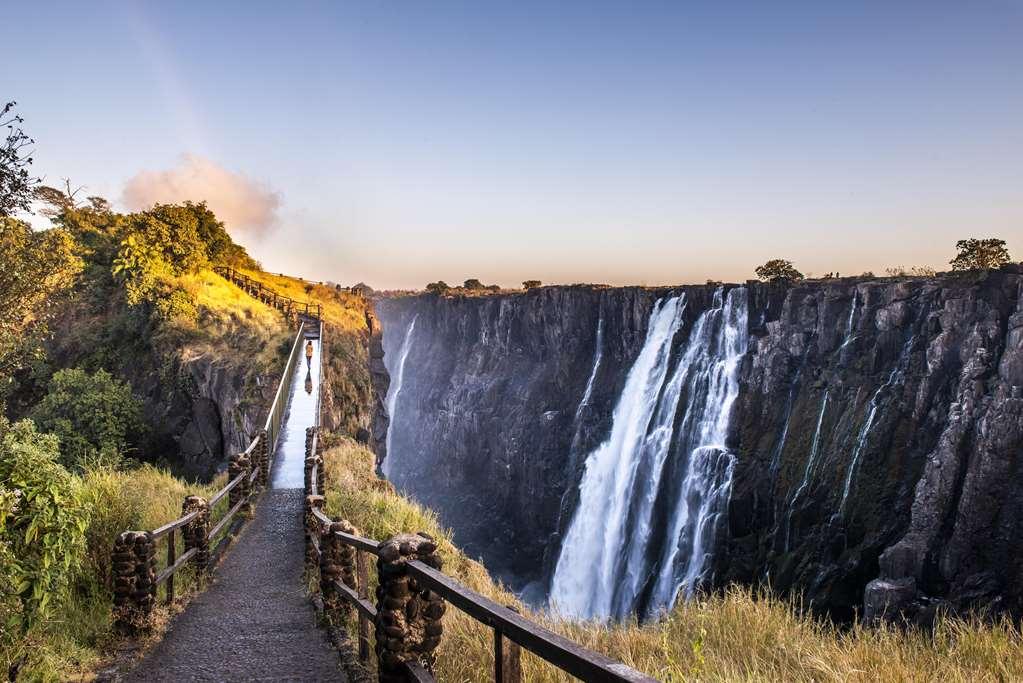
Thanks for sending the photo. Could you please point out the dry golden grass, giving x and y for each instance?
(740, 635)
(231, 325)
(343, 309)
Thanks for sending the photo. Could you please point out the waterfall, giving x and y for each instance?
(598, 354)
(659, 458)
(895, 377)
(810, 462)
(392, 394)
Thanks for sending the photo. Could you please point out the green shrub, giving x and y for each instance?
(94, 416)
(42, 524)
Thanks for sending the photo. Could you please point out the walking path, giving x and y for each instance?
(254, 622)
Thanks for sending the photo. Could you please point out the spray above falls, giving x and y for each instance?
(653, 493)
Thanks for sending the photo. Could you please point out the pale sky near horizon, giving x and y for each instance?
(621, 142)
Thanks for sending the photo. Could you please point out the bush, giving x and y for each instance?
(439, 287)
(778, 270)
(94, 416)
(472, 284)
(531, 284)
(42, 525)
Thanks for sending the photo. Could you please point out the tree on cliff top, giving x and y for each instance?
(977, 254)
(15, 157)
(439, 287)
(530, 284)
(778, 270)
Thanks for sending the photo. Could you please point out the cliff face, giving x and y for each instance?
(867, 456)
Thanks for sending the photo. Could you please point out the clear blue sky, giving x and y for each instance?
(631, 142)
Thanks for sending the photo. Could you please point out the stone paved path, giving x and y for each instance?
(254, 622)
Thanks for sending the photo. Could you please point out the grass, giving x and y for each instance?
(341, 309)
(738, 635)
(75, 640)
(230, 324)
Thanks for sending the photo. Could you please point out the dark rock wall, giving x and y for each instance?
(878, 430)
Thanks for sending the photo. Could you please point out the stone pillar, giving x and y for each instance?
(409, 617)
(134, 573)
(195, 532)
(122, 567)
(312, 527)
(263, 454)
(337, 563)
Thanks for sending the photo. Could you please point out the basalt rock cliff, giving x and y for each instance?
(873, 446)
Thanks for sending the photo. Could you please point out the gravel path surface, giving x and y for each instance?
(254, 623)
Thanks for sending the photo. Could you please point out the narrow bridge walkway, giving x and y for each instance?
(254, 622)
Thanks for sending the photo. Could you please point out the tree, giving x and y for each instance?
(778, 270)
(95, 417)
(531, 284)
(980, 254)
(37, 268)
(16, 182)
(474, 284)
(439, 287)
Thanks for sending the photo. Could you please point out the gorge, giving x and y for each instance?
(854, 440)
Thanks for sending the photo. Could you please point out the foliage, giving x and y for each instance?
(778, 270)
(95, 416)
(914, 271)
(472, 284)
(740, 634)
(980, 254)
(43, 531)
(37, 268)
(16, 182)
(531, 284)
(439, 287)
(140, 266)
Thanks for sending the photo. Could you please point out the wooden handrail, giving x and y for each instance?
(558, 650)
(279, 301)
(563, 653)
(171, 526)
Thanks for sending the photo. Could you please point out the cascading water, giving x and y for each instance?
(394, 390)
(807, 473)
(896, 377)
(598, 355)
(659, 458)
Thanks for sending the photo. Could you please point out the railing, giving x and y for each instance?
(135, 579)
(256, 289)
(412, 595)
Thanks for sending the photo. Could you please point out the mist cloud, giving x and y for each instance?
(246, 206)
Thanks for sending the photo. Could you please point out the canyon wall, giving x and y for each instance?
(866, 456)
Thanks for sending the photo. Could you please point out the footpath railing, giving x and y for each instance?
(411, 597)
(134, 563)
(290, 307)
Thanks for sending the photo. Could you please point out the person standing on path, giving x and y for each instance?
(309, 353)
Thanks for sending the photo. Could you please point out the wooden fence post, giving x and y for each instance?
(507, 658)
(239, 463)
(409, 616)
(195, 532)
(311, 526)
